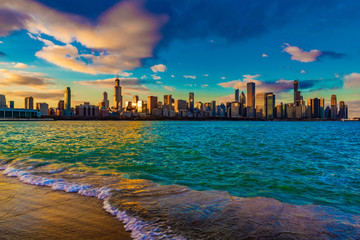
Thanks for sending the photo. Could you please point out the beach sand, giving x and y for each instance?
(33, 212)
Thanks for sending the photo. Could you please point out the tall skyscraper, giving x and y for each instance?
(67, 101)
(105, 102)
(151, 103)
(315, 108)
(61, 105)
(29, 103)
(242, 104)
(117, 95)
(261, 105)
(237, 95)
(191, 102)
(270, 105)
(297, 94)
(250, 99)
(168, 101)
(213, 108)
(333, 107)
(2, 101)
(342, 110)
(322, 108)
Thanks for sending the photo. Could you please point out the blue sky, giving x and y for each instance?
(178, 46)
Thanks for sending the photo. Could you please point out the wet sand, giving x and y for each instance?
(32, 212)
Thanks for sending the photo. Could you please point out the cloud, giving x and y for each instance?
(21, 65)
(155, 77)
(301, 55)
(352, 80)
(225, 99)
(206, 75)
(128, 84)
(204, 85)
(223, 77)
(119, 39)
(48, 95)
(169, 88)
(126, 74)
(21, 78)
(190, 76)
(264, 55)
(302, 71)
(159, 68)
(172, 76)
(2, 54)
(1, 42)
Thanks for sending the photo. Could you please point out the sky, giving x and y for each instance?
(160, 47)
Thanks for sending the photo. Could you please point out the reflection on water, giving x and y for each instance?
(294, 162)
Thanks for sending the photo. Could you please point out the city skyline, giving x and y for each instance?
(40, 57)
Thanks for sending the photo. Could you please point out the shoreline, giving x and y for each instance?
(29, 211)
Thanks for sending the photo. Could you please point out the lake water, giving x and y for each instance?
(200, 180)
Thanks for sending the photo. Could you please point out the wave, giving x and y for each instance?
(152, 211)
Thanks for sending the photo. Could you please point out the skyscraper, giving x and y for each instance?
(342, 110)
(297, 94)
(322, 108)
(105, 102)
(151, 103)
(2, 101)
(333, 107)
(250, 99)
(191, 102)
(29, 103)
(237, 95)
(168, 101)
(67, 101)
(117, 95)
(261, 105)
(213, 109)
(242, 104)
(270, 105)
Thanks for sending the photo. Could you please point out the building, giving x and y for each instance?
(213, 112)
(29, 103)
(261, 105)
(237, 95)
(333, 107)
(11, 104)
(243, 104)
(280, 111)
(117, 95)
(105, 102)
(180, 105)
(270, 105)
(342, 110)
(87, 110)
(2, 101)
(235, 109)
(250, 99)
(297, 94)
(315, 108)
(19, 113)
(67, 102)
(168, 101)
(151, 103)
(141, 107)
(43, 108)
(322, 108)
(191, 102)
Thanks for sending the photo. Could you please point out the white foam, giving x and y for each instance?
(140, 230)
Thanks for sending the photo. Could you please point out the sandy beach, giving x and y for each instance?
(32, 212)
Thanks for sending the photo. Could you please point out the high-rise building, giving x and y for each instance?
(270, 105)
(315, 108)
(297, 94)
(261, 105)
(322, 108)
(168, 101)
(117, 95)
(237, 95)
(242, 104)
(191, 102)
(105, 102)
(250, 99)
(11, 104)
(342, 110)
(134, 101)
(61, 105)
(151, 103)
(43, 108)
(213, 109)
(333, 107)
(2, 101)
(29, 103)
(67, 101)
(180, 105)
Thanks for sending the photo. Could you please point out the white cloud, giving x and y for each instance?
(172, 76)
(302, 71)
(352, 80)
(206, 75)
(21, 65)
(169, 88)
(159, 68)
(190, 76)
(155, 77)
(264, 55)
(110, 54)
(126, 74)
(223, 77)
(204, 85)
(300, 55)
(1, 42)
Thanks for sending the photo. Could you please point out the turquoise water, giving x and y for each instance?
(300, 163)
